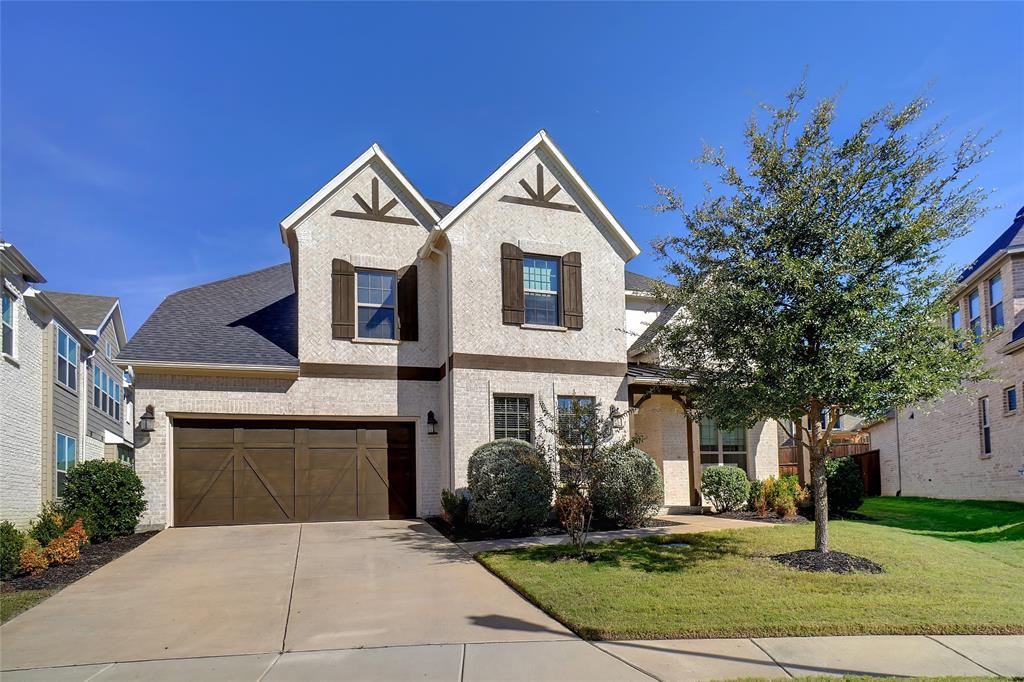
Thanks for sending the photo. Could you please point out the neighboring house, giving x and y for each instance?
(355, 380)
(970, 444)
(46, 422)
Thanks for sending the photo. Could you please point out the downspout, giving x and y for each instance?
(899, 461)
(446, 259)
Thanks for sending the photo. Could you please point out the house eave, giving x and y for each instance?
(210, 369)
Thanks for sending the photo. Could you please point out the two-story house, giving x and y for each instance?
(54, 344)
(970, 443)
(355, 380)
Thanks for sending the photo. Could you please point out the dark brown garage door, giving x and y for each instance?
(236, 472)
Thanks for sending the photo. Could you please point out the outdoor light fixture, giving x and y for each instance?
(431, 423)
(147, 421)
(617, 418)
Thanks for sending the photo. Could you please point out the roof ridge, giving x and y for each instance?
(75, 293)
(227, 279)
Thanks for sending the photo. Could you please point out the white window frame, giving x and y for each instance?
(993, 304)
(720, 450)
(10, 331)
(109, 350)
(109, 399)
(1007, 410)
(529, 415)
(393, 306)
(556, 293)
(985, 424)
(72, 367)
(56, 459)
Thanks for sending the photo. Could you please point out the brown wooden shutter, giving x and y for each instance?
(572, 290)
(513, 303)
(408, 305)
(343, 299)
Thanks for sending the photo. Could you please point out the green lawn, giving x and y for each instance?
(950, 567)
(13, 603)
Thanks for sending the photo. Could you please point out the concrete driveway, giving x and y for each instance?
(220, 591)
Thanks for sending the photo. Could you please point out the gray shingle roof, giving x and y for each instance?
(250, 319)
(645, 338)
(1013, 236)
(85, 310)
(637, 282)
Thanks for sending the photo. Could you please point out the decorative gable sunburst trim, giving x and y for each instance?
(374, 152)
(538, 197)
(542, 140)
(374, 211)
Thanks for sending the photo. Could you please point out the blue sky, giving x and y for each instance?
(149, 147)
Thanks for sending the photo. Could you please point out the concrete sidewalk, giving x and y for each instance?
(688, 523)
(560, 659)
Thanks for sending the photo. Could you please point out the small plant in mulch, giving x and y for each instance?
(814, 561)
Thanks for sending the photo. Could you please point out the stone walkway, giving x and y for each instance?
(689, 523)
(559, 659)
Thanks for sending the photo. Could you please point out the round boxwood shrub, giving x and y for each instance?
(510, 485)
(845, 485)
(725, 488)
(11, 542)
(107, 496)
(630, 490)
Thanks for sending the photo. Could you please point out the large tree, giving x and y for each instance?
(810, 281)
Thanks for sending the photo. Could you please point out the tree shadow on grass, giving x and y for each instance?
(957, 520)
(661, 554)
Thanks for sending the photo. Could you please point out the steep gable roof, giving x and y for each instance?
(647, 336)
(250, 320)
(1011, 239)
(335, 183)
(637, 282)
(89, 312)
(542, 141)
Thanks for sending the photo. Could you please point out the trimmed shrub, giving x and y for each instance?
(511, 486)
(62, 550)
(725, 488)
(845, 485)
(31, 557)
(759, 492)
(76, 532)
(11, 542)
(107, 496)
(48, 526)
(455, 507)
(630, 490)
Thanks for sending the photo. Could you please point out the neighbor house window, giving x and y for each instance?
(7, 326)
(722, 447)
(995, 302)
(540, 286)
(986, 431)
(375, 304)
(1010, 399)
(67, 360)
(126, 455)
(110, 350)
(106, 393)
(974, 310)
(67, 448)
(513, 418)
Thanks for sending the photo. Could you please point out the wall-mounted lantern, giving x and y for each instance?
(618, 418)
(147, 422)
(431, 423)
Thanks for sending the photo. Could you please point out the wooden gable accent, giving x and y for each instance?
(373, 210)
(538, 196)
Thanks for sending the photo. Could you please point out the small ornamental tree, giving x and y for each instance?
(581, 437)
(810, 280)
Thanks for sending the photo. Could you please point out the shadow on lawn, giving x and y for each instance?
(956, 520)
(651, 555)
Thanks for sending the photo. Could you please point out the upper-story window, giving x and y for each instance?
(67, 360)
(974, 311)
(109, 350)
(106, 393)
(995, 302)
(7, 326)
(954, 319)
(540, 286)
(375, 304)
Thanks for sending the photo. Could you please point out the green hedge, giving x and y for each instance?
(107, 496)
(510, 485)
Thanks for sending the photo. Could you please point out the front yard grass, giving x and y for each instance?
(950, 567)
(13, 603)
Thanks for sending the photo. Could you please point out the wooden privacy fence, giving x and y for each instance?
(790, 463)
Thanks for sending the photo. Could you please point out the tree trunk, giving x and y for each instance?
(819, 484)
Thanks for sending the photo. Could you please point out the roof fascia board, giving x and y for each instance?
(21, 264)
(122, 338)
(40, 298)
(296, 217)
(541, 139)
(282, 370)
(982, 270)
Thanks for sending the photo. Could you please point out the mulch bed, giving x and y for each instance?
(827, 562)
(473, 532)
(93, 556)
(752, 516)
